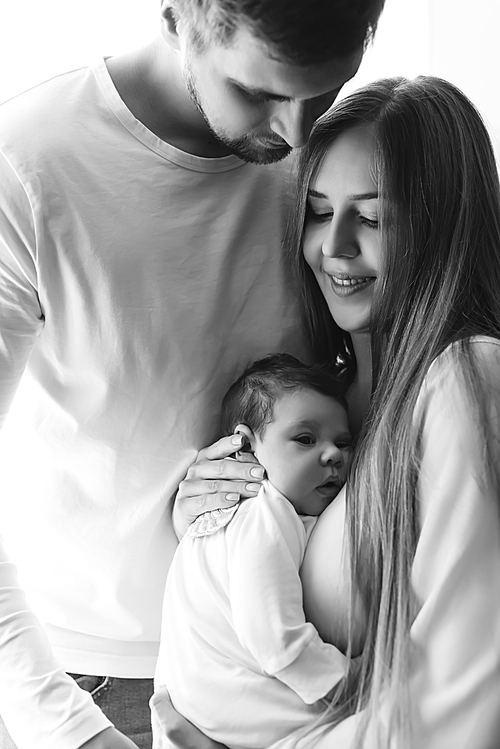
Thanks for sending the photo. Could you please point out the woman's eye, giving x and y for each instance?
(372, 223)
(319, 217)
(305, 439)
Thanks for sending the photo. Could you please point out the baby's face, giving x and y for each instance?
(306, 449)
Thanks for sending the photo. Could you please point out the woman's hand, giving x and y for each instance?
(171, 729)
(213, 481)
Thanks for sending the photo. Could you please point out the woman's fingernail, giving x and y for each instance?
(232, 497)
(258, 472)
(252, 487)
(237, 439)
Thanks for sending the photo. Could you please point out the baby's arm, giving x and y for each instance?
(265, 548)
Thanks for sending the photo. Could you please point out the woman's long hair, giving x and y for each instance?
(440, 284)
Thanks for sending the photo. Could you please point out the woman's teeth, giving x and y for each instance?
(351, 281)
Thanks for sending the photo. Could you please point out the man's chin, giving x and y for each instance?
(254, 153)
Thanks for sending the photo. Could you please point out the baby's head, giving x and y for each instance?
(295, 419)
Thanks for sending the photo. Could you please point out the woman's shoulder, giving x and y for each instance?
(467, 366)
(483, 351)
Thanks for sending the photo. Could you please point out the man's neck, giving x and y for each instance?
(150, 83)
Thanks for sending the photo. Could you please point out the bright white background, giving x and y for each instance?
(455, 39)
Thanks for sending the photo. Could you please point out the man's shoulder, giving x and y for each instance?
(44, 112)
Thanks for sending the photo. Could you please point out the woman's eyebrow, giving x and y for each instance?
(364, 196)
(355, 196)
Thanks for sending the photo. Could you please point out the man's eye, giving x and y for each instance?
(260, 98)
(305, 439)
(257, 98)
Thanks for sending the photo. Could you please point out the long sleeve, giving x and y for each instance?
(21, 317)
(40, 705)
(265, 550)
(456, 571)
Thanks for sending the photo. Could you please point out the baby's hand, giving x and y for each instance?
(215, 481)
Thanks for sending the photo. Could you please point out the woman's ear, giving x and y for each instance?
(249, 443)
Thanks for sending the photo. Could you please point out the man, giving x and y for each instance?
(142, 207)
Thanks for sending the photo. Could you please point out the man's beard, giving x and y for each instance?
(247, 147)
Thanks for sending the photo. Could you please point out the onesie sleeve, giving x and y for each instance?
(266, 544)
(456, 572)
(41, 706)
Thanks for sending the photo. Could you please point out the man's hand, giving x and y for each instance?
(170, 729)
(213, 481)
(110, 738)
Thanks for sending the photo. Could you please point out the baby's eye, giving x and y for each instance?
(344, 444)
(305, 439)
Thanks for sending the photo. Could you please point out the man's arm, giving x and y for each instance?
(41, 705)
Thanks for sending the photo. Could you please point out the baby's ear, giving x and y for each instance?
(249, 441)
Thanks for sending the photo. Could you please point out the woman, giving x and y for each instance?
(400, 269)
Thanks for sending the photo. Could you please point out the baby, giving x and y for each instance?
(237, 655)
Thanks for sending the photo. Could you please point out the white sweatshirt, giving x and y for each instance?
(136, 282)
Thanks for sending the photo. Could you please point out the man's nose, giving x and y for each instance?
(293, 121)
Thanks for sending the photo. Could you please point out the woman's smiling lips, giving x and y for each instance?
(346, 285)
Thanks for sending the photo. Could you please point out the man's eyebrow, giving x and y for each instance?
(354, 196)
(258, 91)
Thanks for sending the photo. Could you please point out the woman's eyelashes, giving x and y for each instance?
(320, 216)
(372, 223)
(314, 213)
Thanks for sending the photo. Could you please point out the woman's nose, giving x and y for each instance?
(340, 241)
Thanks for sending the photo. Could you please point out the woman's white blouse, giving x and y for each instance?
(455, 679)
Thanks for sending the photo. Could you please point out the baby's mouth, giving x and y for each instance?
(330, 486)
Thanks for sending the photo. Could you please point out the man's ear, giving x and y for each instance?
(169, 29)
(249, 444)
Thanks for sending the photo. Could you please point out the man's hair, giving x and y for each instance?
(251, 399)
(302, 32)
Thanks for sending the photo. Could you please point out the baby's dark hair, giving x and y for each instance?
(250, 400)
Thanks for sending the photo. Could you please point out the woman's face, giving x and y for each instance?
(342, 242)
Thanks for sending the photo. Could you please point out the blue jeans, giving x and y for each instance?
(124, 701)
